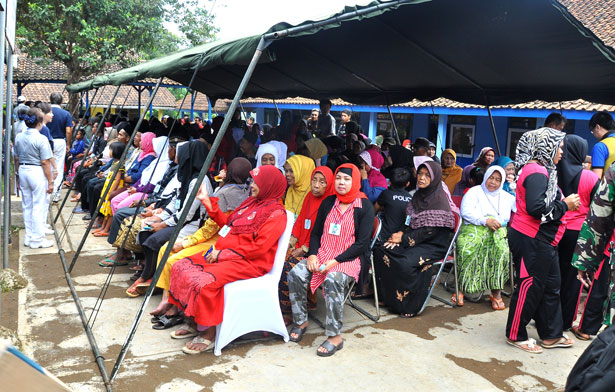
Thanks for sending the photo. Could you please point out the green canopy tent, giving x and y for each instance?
(474, 51)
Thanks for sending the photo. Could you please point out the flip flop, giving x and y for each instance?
(299, 331)
(559, 343)
(497, 303)
(454, 299)
(580, 335)
(108, 262)
(530, 346)
(165, 322)
(101, 234)
(191, 333)
(331, 349)
(199, 340)
(132, 295)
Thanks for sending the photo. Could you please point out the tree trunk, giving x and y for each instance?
(74, 76)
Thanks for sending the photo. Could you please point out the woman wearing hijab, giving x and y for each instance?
(451, 173)
(158, 229)
(339, 246)
(372, 181)
(408, 253)
(146, 156)
(572, 178)
(485, 158)
(228, 196)
(533, 237)
(245, 249)
(297, 169)
(482, 246)
(316, 149)
(400, 156)
(321, 187)
(151, 176)
(509, 168)
(267, 154)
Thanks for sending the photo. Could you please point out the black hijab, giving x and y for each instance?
(190, 158)
(570, 167)
(401, 157)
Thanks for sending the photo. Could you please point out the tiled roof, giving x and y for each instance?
(41, 91)
(201, 104)
(596, 15)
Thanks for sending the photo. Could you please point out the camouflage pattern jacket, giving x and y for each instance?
(595, 235)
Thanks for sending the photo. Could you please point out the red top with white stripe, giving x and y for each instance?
(332, 245)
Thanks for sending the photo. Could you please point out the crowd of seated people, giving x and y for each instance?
(335, 185)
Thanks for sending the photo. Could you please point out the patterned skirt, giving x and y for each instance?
(482, 258)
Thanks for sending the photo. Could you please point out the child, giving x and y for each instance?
(393, 202)
(476, 178)
(115, 152)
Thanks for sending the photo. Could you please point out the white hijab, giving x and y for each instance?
(479, 203)
(268, 148)
(154, 172)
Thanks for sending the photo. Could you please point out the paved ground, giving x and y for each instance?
(443, 349)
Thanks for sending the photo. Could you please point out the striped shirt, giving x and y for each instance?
(332, 245)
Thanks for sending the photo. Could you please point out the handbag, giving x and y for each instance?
(131, 232)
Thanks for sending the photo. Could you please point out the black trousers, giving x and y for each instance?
(83, 177)
(116, 223)
(571, 286)
(93, 192)
(151, 242)
(593, 314)
(537, 285)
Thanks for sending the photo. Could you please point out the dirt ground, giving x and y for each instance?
(9, 310)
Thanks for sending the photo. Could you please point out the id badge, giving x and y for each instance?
(177, 204)
(157, 188)
(224, 231)
(407, 220)
(335, 229)
(307, 224)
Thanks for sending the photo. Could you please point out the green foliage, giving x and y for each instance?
(90, 36)
(178, 93)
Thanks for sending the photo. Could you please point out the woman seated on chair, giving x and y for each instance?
(482, 246)
(228, 196)
(338, 243)
(408, 254)
(246, 249)
(321, 188)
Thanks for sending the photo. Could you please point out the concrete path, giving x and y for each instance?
(444, 349)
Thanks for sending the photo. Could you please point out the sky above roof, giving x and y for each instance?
(240, 18)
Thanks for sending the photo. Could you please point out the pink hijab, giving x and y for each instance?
(147, 145)
(375, 161)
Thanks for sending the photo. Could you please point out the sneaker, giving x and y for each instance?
(26, 242)
(42, 244)
(78, 210)
(48, 231)
(57, 197)
(87, 217)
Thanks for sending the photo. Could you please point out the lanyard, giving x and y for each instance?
(344, 213)
(497, 211)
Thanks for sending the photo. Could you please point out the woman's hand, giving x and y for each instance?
(297, 253)
(328, 265)
(157, 226)
(493, 224)
(222, 175)
(363, 172)
(586, 277)
(131, 190)
(178, 246)
(203, 196)
(394, 240)
(312, 263)
(212, 257)
(49, 187)
(573, 202)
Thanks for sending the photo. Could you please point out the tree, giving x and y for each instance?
(90, 36)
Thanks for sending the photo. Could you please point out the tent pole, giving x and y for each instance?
(208, 108)
(7, 158)
(2, 46)
(278, 110)
(394, 126)
(210, 156)
(115, 171)
(192, 99)
(83, 160)
(495, 136)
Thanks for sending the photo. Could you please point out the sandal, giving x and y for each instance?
(407, 315)
(192, 332)
(166, 322)
(497, 303)
(563, 342)
(132, 291)
(108, 262)
(135, 276)
(530, 346)
(580, 335)
(299, 332)
(454, 299)
(101, 234)
(331, 349)
(142, 287)
(199, 340)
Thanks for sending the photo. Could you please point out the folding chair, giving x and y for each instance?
(449, 258)
(375, 233)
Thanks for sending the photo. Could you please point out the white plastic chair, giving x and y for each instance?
(253, 304)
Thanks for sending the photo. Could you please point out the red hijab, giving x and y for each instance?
(355, 189)
(310, 207)
(254, 211)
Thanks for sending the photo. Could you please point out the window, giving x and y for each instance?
(514, 134)
(271, 117)
(403, 122)
(461, 139)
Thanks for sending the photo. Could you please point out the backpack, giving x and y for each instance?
(595, 369)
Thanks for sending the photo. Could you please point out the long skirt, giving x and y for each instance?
(406, 273)
(483, 258)
(198, 288)
(165, 277)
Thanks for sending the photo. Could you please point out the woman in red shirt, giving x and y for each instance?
(339, 240)
(246, 249)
